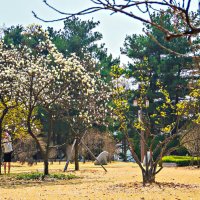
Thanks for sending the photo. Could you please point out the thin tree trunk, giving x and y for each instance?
(49, 134)
(76, 156)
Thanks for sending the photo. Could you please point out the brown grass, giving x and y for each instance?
(121, 182)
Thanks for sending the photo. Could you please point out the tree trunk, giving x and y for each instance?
(49, 134)
(76, 156)
(46, 161)
(43, 154)
(46, 166)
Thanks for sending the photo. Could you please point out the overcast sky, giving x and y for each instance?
(114, 28)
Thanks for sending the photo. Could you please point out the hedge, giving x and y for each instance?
(181, 160)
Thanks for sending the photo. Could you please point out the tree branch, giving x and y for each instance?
(125, 9)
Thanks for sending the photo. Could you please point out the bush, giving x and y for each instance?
(29, 176)
(181, 160)
(63, 176)
(40, 176)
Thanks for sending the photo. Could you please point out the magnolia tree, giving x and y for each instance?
(162, 123)
(87, 104)
(44, 78)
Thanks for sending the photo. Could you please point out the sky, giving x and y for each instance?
(113, 27)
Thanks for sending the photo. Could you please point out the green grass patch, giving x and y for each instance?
(181, 160)
(40, 176)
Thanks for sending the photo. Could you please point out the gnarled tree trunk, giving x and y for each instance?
(148, 177)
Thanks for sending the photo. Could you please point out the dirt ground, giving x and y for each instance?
(121, 182)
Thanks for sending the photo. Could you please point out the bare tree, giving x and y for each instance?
(98, 141)
(191, 142)
(182, 15)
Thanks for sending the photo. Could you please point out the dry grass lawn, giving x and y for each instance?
(121, 182)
